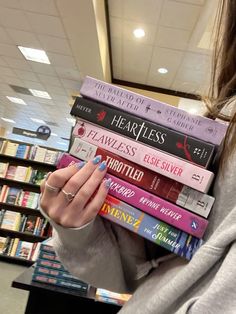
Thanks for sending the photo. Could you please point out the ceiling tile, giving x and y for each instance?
(61, 60)
(179, 15)
(67, 73)
(43, 6)
(14, 19)
(49, 80)
(12, 80)
(164, 58)
(4, 88)
(6, 71)
(168, 37)
(33, 85)
(75, 85)
(116, 8)
(196, 61)
(187, 87)
(22, 38)
(56, 90)
(10, 4)
(136, 60)
(17, 63)
(45, 24)
(4, 38)
(55, 44)
(116, 52)
(3, 62)
(41, 68)
(10, 51)
(142, 11)
(116, 27)
(26, 75)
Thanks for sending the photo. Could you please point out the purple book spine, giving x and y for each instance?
(174, 118)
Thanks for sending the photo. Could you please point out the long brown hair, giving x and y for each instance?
(223, 83)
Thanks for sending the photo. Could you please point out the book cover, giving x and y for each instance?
(170, 141)
(12, 195)
(30, 224)
(11, 171)
(172, 239)
(153, 110)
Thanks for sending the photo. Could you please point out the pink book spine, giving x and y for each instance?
(156, 160)
(151, 204)
(157, 207)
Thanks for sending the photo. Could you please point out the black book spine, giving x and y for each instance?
(170, 141)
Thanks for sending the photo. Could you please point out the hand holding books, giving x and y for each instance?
(80, 181)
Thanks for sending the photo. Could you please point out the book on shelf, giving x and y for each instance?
(3, 169)
(11, 220)
(10, 148)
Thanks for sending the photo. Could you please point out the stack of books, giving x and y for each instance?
(48, 269)
(159, 160)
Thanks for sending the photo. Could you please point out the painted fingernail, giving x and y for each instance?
(108, 183)
(102, 166)
(80, 164)
(97, 159)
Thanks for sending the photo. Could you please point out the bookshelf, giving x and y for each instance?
(19, 197)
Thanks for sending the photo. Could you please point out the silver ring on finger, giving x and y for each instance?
(51, 188)
(69, 196)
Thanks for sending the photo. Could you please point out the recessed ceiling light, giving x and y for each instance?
(162, 70)
(40, 93)
(38, 120)
(36, 55)
(54, 134)
(8, 120)
(139, 33)
(16, 100)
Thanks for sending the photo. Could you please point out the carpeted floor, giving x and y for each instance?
(12, 300)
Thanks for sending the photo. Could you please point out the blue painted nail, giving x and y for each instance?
(102, 166)
(108, 183)
(97, 159)
(80, 164)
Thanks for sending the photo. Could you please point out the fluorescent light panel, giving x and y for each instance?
(8, 120)
(40, 93)
(16, 100)
(54, 134)
(36, 55)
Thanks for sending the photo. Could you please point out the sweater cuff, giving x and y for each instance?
(73, 236)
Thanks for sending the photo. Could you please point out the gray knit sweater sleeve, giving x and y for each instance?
(101, 254)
